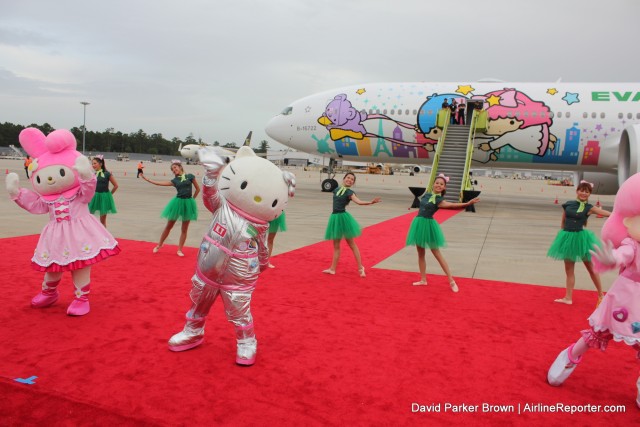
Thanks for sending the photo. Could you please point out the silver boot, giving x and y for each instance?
(191, 336)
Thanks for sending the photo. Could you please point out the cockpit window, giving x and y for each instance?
(287, 111)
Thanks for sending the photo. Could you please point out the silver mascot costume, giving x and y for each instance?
(243, 196)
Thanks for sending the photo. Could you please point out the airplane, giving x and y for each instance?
(592, 129)
(190, 151)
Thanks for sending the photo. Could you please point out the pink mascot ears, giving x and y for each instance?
(35, 143)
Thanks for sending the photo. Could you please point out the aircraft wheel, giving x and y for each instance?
(328, 185)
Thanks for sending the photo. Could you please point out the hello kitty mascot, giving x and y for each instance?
(73, 240)
(243, 196)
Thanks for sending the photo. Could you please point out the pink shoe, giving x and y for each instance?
(80, 305)
(47, 296)
(45, 299)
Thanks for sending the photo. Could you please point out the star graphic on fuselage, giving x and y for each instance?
(571, 98)
(465, 89)
(493, 100)
(361, 91)
(552, 91)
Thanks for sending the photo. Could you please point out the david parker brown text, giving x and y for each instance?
(520, 408)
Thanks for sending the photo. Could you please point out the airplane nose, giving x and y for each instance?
(277, 128)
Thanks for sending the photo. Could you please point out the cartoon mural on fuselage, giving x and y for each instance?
(517, 125)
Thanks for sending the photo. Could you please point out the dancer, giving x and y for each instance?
(182, 207)
(73, 239)
(618, 316)
(573, 241)
(342, 225)
(425, 232)
(278, 224)
(242, 196)
(102, 201)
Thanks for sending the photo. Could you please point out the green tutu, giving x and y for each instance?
(573, 245)
(180, 209)
(426, 233)
(102, 203)
(342, 225)
(278, 224)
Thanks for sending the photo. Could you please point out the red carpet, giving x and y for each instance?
(333, 350)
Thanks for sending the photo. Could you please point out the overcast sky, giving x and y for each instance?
(219, 68)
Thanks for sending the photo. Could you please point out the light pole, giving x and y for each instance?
(84, 122)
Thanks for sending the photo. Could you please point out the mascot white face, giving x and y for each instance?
(254, 185)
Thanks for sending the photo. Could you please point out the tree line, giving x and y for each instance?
(111, 140)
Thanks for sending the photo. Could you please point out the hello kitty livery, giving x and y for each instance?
(73, 239)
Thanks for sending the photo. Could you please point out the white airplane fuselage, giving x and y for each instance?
(590, 128)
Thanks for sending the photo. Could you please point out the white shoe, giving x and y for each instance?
(562, 367)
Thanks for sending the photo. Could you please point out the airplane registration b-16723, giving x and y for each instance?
(592, 129)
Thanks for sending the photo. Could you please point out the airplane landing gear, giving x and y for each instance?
(329, 184)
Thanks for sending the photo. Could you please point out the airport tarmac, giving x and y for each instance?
(506, 239)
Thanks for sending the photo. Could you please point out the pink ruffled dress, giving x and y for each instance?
(618, 315)
(73, 239)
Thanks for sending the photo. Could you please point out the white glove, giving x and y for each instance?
(13, 184)
(211, 161)
(604, 254)
(83, 166)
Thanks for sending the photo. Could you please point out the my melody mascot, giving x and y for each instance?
(73, 240)
(618, 315)
(243, 196)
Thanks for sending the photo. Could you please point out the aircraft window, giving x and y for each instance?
(393, 112)
(568, 114)
(551, 114)
(620, 115)
(559, 114)
(533, 114)
(509, 114)
(593, 115)
(629, 116)
(400, 112)
(430, 112)
(287, 111)
(517, 115)
(526, 114)
(407, 111)
(602, 115)
(384, 111)
(637, 115)
(415, 112)
(585, 115)
(542, 114)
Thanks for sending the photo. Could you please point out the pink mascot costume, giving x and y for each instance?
(73, 240)
(618, 315)
(243, 196)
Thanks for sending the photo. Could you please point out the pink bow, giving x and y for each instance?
(60, 211)
(57, 205)
(99, 156)
(176, 162)
(66, 218)
(443, 176)
(590, 184)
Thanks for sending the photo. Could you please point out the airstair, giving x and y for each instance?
(16, 150)
(453, 153)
